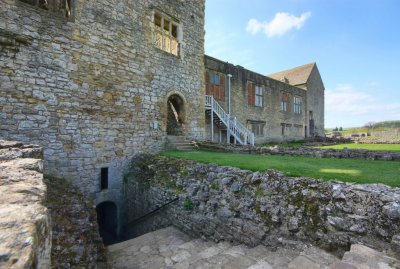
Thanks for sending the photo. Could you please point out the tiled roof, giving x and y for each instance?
(295, 76)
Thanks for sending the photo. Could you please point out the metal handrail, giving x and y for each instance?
(238, 130)
(145, 216)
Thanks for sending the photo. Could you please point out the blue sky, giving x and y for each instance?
(355, 43)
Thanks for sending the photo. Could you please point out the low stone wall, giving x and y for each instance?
(25, 229)
(379, 140)
(76, 242)
(225, 203)
(308, 151)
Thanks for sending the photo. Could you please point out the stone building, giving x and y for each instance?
(95, 82)
(285, 106)
(307, 77)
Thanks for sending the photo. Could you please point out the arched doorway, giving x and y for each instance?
(107, 219)
(176, 115)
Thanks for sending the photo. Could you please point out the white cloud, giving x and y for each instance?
(345, 104)
(279, 25)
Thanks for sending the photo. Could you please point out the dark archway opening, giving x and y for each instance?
(108, 222)
(176, 114)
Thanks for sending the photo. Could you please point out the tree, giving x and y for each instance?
(340, 128)
(370, 124)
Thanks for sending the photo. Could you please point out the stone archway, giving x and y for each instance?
(175, 115)
(107, 218)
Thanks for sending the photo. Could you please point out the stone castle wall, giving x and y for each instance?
(93, 89)
(270, 114)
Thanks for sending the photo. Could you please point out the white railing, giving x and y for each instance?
(236, 129)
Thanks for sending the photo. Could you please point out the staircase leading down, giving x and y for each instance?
(225, 122)
(170, 248)
(180, 142)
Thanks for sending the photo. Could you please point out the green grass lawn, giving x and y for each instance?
(382, 147)
(360, 171)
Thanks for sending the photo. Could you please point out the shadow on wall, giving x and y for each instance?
(107, 219)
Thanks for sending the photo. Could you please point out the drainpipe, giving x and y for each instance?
(228, 135)
(229, 94)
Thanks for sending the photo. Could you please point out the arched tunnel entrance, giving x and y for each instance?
(107, 218)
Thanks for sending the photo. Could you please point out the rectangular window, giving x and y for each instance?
(166, 34)
(215, 84)
(259, 96)
(297, 105)
(104, 178)
(285, 99)
(257, 127)
(62, 8)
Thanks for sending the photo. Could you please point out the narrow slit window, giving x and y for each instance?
(104, 178)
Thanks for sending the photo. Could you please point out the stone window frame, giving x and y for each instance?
(167, 39)
(259, 96)
(285, 102)
(254, 98)
(297, 103)
(257, 127)
(51, 7)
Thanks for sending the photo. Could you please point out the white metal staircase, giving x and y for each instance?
(224, 121)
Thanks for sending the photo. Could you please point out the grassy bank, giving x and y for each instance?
(348, 170)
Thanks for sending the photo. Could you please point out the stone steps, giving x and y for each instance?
(170, 248)
(179, 143)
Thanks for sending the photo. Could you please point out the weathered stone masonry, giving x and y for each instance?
(225, 203)
(44, 222)
(93, 89)
(272, 123)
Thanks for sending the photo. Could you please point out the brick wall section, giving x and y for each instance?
(87, 89)
(270, 112)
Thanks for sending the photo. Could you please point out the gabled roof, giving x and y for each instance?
(295, 76)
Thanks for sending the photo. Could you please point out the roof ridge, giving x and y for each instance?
(296, 75)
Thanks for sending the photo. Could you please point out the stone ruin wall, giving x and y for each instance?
(25, 223)
(360, 154)
(44, 222)
(225, 203)
(87, 88)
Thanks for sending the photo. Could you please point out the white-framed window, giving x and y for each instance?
(259, 96)
(166, 33)
(297, 105)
